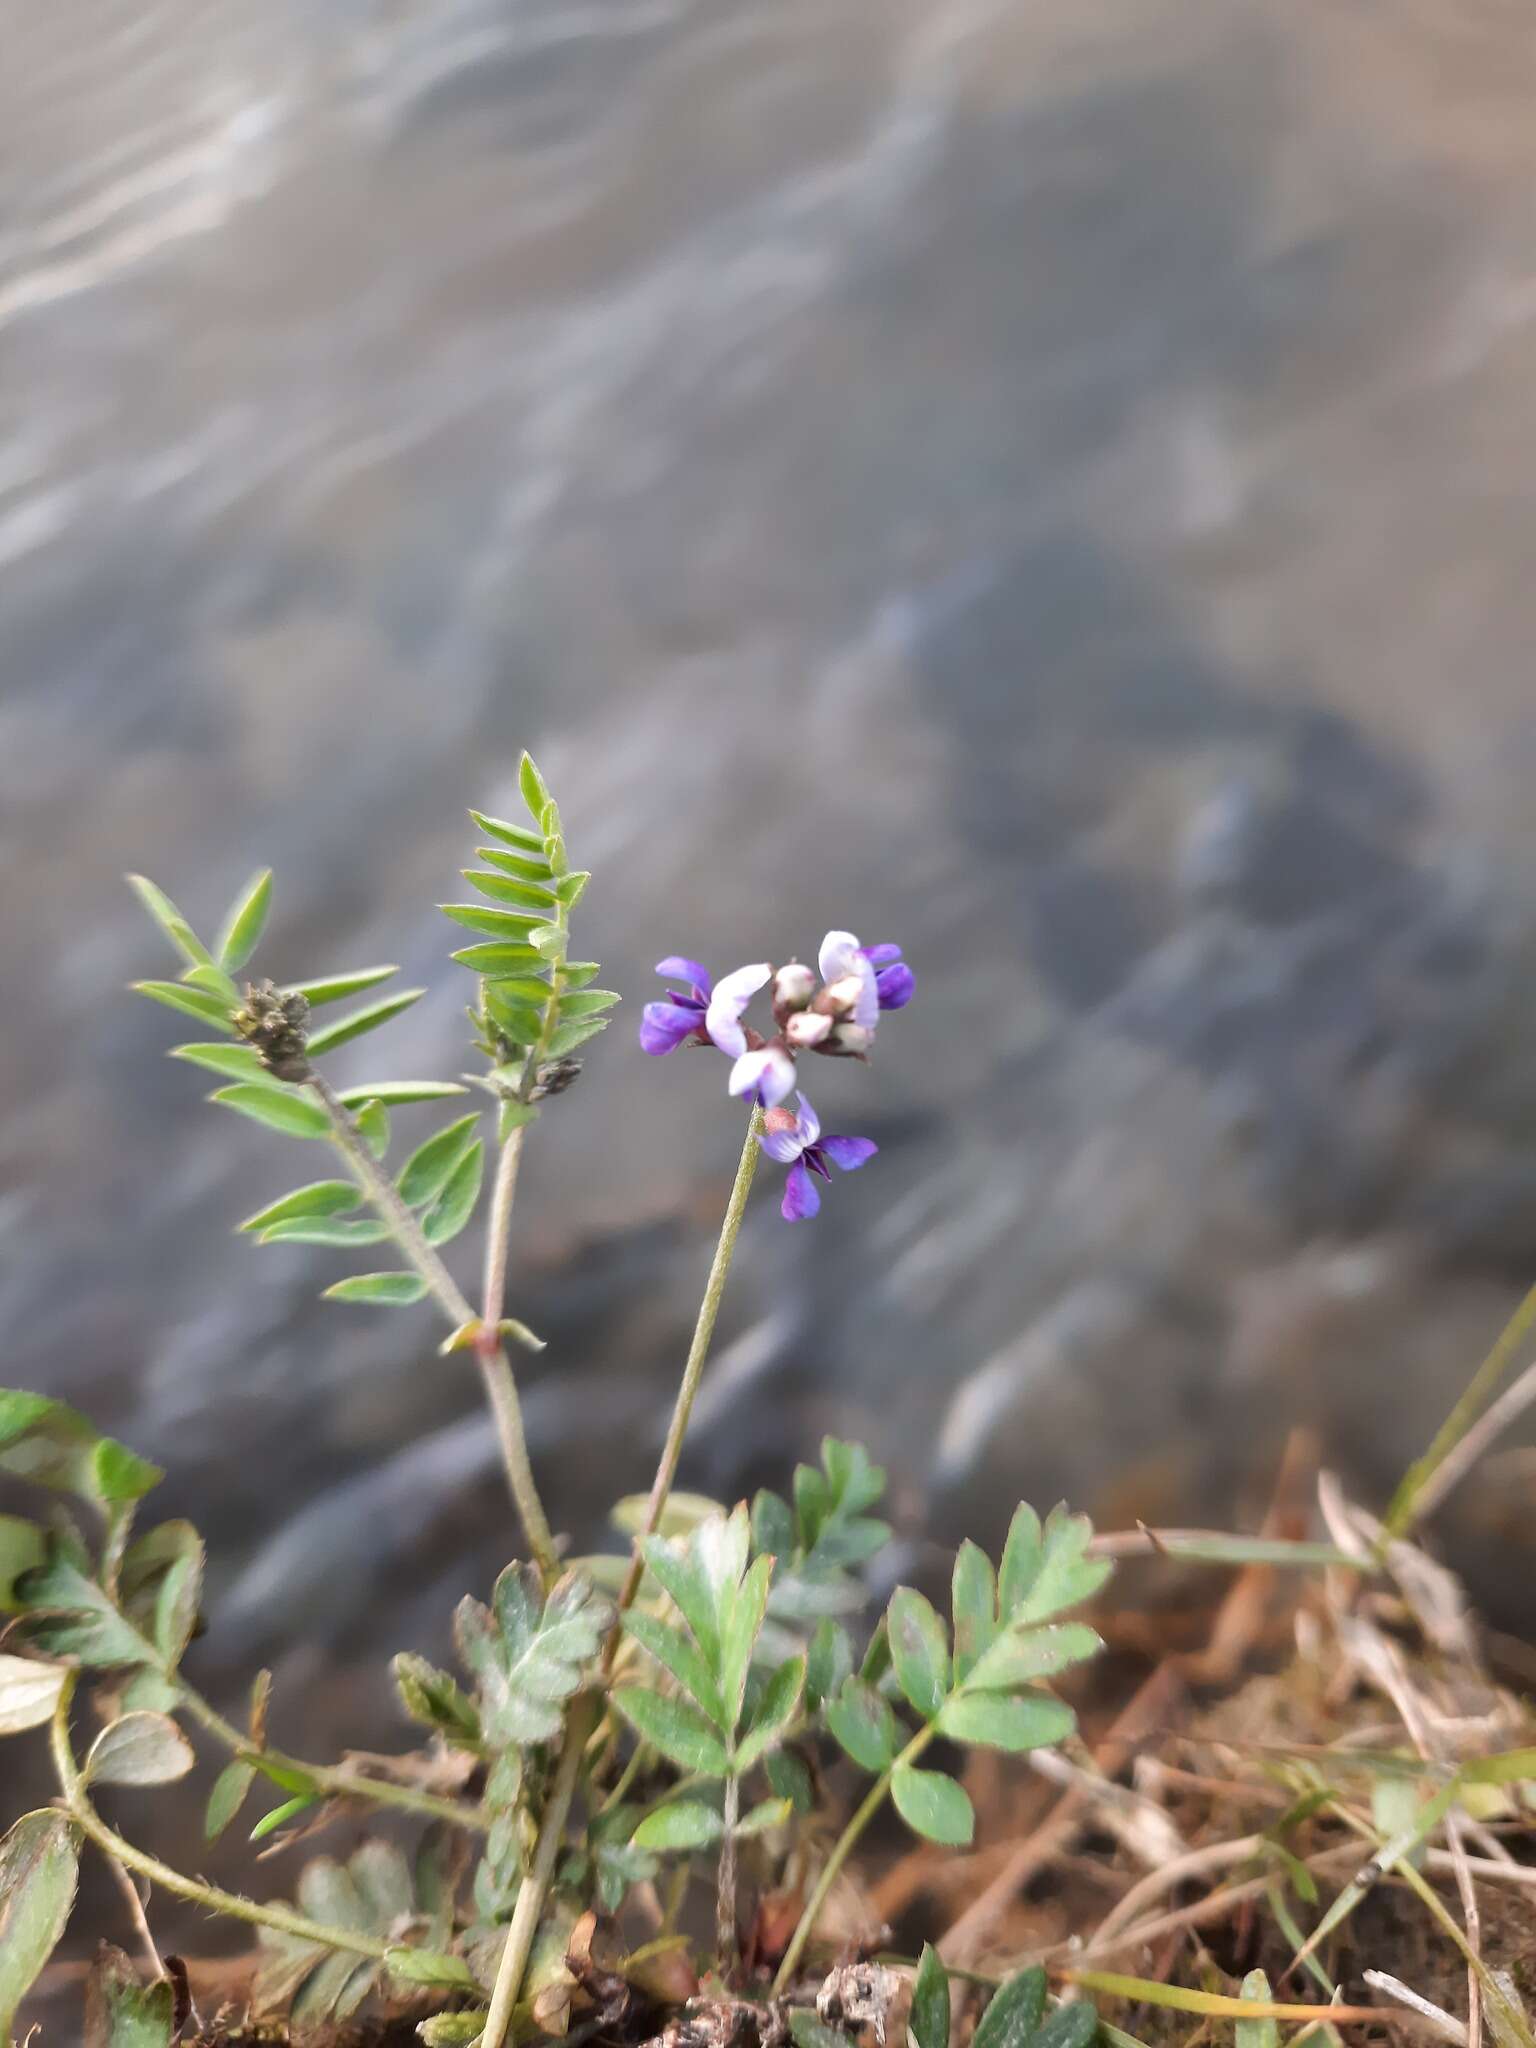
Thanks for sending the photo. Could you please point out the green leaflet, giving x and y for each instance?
(527, 1653)
(39, 1869)
(676, 1728)
(379, 1290)
(919, 1651)
(456, 1204)
(356, 1022)
(170, 920)
(279, 1108)
(53, 1445)
(430, 1167)
(335, 988)
(242, 928)
(1015, 2011)
(192, 1002)
(933, 1805)
(929, 2020)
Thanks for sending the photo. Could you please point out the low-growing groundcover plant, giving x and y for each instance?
(617, 1729)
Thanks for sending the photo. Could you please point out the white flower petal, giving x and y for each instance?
(839, 955)
(807, 1123)
(732, 994)
(769, 1071)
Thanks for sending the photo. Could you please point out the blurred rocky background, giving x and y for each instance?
(1047, 483)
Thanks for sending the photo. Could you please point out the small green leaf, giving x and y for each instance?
(929, 2020)
(430, 1167)
(68, 1615)
(1263, 2033)
(39, 1869)
(192, 1002)
(588, 1002)
(23, 1547)
(1015, 2011)
(239, 1062)
(335, 988)
(513, 890)
(170, 920)
(775, 1711)
(513, 927)
(456, 1204)
(372, 1122)
(828, 1663)
(327, 1230)
(685, 1824)
(572, 886)
(356, 1022)
(579, 972)
(532, 788)
(51, 1444)
(393, 1092)
(768, 1813)
(383, 1290)
(279, 1815)
(1066, 1575)
(1022, 1554)
(242, 928)
(523, 867)
(679, 1654)
(933, 1805)
(676, 1727)
(973, 1604)
(432, 1698)
(1070, 2026)
(228, 1796)
(565, 1038)
(428, 1966)
(741, 1614)
(280, 1109)
(919, 1650)
(159, 1586)
(120, 2012)
(675, 1568)
(998, 1722)
(493, 960)
(862, 1723)
(511, 835)
(139, 1749)
(1021, 1654)
(320, 1198)
(527, 991)
(29, 1692)
(454, 2029)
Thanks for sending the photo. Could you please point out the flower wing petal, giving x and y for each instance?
(732, 994)
(801, 1196)
(664, 1026)
(676, 968)
(839, 955)
(849, 1153)
(768, 1073)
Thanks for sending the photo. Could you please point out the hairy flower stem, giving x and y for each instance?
(725, 1888)
(846, 1843)
(495, 1367)
(122, 1852)
(693, 1370)
(535, 1886)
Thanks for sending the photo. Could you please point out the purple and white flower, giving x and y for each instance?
(678, 1019)
(894, 979)
(733, 992)
(763, 1074)
(795, 1141)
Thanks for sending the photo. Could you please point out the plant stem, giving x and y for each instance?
(123, 1852)
(490, 1353)
(840, 1854)
(499, 1230)
(535, 1886)
(693, 1370)
(725, 1887)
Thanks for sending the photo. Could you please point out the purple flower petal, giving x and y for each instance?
(839, 955)
(807, 1123)
(783, 1146)
(676, 968)
(664, 1026)
(801, 1200)
(849, 1153)
(732, 994)
(895, 985)
(881, 956)
(768, 1074)
(816, 1160)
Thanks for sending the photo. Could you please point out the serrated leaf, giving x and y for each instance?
(973, 1605)
(241, 931)
(139, 1749)
(681, 1655)
(120, 2012)
(67, 1615)
(919, 1650)
(685, 1824)
(456, 1204)
(588, 1002)
(933, 1806)
(531, 787)
(239, 1062)
(430, 1167)
(429, 1966)
(319, 1198)
(392, 1093)
(50, 1444)
(170, 920)
(356, 1022)
(494, 960)
(379, 1290)
(928, 2022)
(335, 988)
(1015, 2011)
(999, 1721)
(741, 1610)
(513, 890)
(512, 927)
(23, 1547)
(1022, 1554)
(280, 1109)
(227, 1797)
(527, 1653)
(676, 1569)
(862, 1723)
(1020, 1655)
(676, 1727)
(192, 1002)
(372, 1121)
(39, 1869)
(432, 1698)
(1066, 1576)
(565, 1038)
(29, 1692)
(775, 1712)
(326, 1230)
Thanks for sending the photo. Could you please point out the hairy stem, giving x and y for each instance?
(490, 1354)
(846, 1842)
(535, 1886)
(693, 1370)
(499, 1230)
(122, 1852)
(725, 1888)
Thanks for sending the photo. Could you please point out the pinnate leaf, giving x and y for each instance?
(675, 1727)
(527, 1653)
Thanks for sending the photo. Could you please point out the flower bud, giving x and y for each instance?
(793, 987)
(852, 1039)
(807, 1028)
(838, 997)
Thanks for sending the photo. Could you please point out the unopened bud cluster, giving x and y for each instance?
(275, 1025)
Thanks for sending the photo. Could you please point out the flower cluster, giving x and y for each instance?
(832, 1010)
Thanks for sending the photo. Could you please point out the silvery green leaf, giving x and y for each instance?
(675, 1727)
(29, 1692)
(319, 1198)
(775, 1713)
(1015, 2011)
(356, 1022)
(676, 1569)
(39, 1869)
(67, 1615)
(431, 1697)
(588, 1002)
(565, 1038)
(382, 1290)
(170, 920)
(510, 835)
(919, 1650)
(678, 1653)
(430, 1167)
(929, 2021)
(139, 1749)
(280, 1109)
(1022, 1556)
(934, 1806)
(511, 889)
(228, 1796)
(335, 988)
(240, 1062)
(527, 1653)
(862, 1723)
(684, 1824)
(372, 1121)
(532, 788)
(998, 1721)
(192, 1002)
(1019, 1655)
(1074, 2025)
(494, 959)
(242, 928)
(334, 1231)
(393, 1092)
(1066, 1575)
(456, 1204)
(547, 940)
